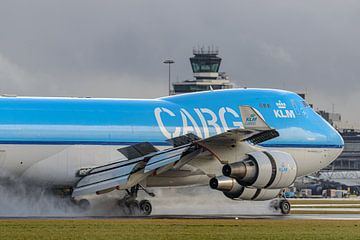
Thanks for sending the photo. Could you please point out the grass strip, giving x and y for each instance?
(159, 229)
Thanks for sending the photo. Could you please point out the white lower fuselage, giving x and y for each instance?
(58, 165)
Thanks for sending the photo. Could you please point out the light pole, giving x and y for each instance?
(169, 61)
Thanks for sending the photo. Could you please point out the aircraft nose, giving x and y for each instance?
(336, 145)
(336, 139)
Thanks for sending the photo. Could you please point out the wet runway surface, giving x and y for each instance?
(237, 217)
(275, 217)
(193, 203)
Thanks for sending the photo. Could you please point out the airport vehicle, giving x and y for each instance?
(247, 143)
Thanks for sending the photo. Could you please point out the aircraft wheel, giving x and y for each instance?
(84, 204)
(133, 207)
(145, 207)
(285, 206)
(132, 204)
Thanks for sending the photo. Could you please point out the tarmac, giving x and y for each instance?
(274, 217)
(217, 216)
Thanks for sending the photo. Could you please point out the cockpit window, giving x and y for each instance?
(305, 104)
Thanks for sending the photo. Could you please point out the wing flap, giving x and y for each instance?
(105, 175)
(106, 179)
(230, 136)
(117, 174)
(138, 150)
(165, 159)
(100, 186)
(183, 140)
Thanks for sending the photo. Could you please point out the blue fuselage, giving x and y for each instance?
(86, 121)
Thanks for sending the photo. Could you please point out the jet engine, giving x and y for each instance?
(232, 189)
(267, 169)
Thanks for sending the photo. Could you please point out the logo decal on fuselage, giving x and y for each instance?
(282, 111)
(202, 123)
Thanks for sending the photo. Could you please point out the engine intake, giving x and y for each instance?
(272, 169)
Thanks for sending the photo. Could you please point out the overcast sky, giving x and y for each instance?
(115, 48)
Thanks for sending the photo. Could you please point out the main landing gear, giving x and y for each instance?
(65, 193)
(134, 207)
(82, 204)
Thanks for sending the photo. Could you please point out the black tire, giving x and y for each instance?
(133, 207)
(285, 206)
(84, 204)
(145, 207)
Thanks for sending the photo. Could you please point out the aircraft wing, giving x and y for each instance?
(145, 160)
(118, 175)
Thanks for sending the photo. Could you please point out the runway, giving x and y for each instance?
(274, 217)
(217, 216)
(181, 204)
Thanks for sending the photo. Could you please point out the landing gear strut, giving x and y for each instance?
(134, 207)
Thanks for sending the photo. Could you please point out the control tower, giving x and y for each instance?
(205, 65)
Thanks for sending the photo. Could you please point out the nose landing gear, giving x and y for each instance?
(281, 204)
(284, 206)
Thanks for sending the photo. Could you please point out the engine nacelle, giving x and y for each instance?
(232, 189)
(268, 169)
(227, 185)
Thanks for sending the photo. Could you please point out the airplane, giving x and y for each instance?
(247, 143)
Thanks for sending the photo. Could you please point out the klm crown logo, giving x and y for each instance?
(281, 105)
(282, 111)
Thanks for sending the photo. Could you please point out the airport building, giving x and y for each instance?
(205, 65)
(333, 118)
(349, 160)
